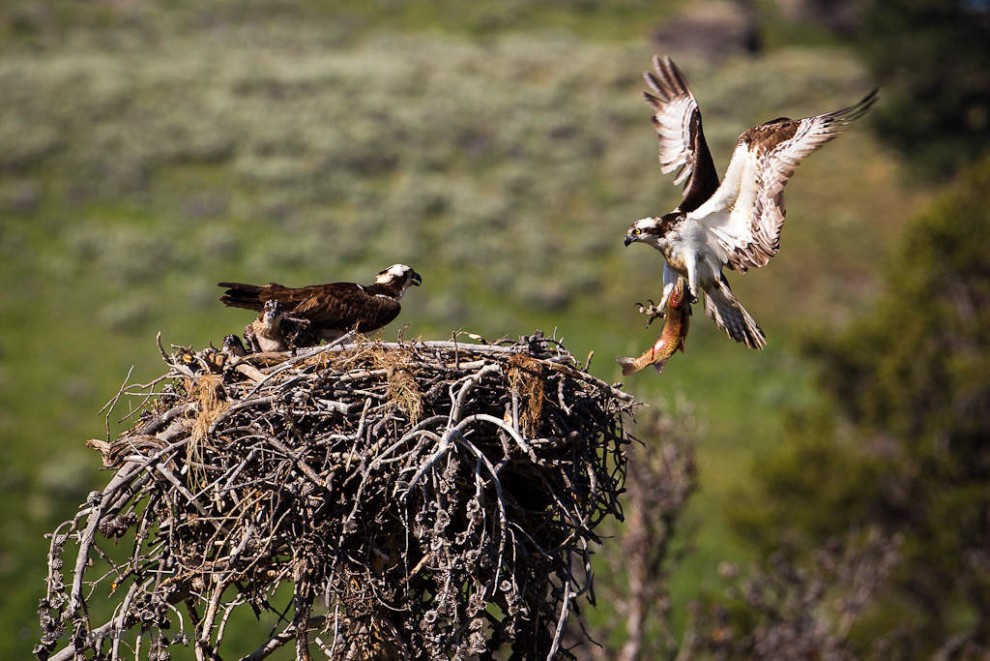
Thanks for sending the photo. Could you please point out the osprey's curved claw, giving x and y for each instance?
(652, 311)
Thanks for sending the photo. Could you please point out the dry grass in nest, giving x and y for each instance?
(416, 500)
(207, 393)
(526, 381)
(400, 373)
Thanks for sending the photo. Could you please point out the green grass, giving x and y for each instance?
(138, 174)
(34, 24)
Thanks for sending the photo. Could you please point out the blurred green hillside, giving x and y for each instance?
(147, 154)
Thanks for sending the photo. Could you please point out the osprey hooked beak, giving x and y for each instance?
(398, 275)
(632, 236)
(642, 230)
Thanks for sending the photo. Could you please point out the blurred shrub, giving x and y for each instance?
(931, 58)
(910, 454)
(19, 196)
(789, 612)
(402, 149)
(127, 314)
(660, 480)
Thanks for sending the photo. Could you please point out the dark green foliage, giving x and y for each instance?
(910, 453)
(806, 472)
(785, 611)
(933, 328)
(931, 58)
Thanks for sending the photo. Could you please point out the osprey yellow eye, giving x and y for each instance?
(637, 231)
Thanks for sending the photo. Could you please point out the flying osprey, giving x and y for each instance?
(736, 223)
(331, 309)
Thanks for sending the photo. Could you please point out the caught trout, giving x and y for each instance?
(675, 328)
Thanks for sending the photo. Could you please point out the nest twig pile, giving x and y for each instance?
(369, 500)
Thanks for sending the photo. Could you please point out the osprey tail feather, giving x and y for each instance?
(724, 309)
(239, 295)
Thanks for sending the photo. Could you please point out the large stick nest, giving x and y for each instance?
(369, 500)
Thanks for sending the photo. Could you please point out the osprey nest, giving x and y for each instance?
(363, 500)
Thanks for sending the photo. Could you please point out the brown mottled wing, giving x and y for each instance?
(747, 212)
(338, 306)
(342, 306)
(682, 144)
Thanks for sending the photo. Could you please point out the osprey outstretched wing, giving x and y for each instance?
(677, 120)
(746, 213)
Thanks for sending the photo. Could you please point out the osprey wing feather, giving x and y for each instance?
(747, 212)
(347, 305)
(677, 121)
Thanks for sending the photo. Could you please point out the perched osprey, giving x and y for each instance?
(736, 223)
(331, 309)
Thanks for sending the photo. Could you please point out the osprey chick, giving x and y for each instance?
(265, 333)
(233, 347)
(331, 309)
(736, 223)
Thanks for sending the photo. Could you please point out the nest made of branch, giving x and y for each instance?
(422, 500)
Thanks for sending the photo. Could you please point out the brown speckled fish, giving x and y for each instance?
(675, 329)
